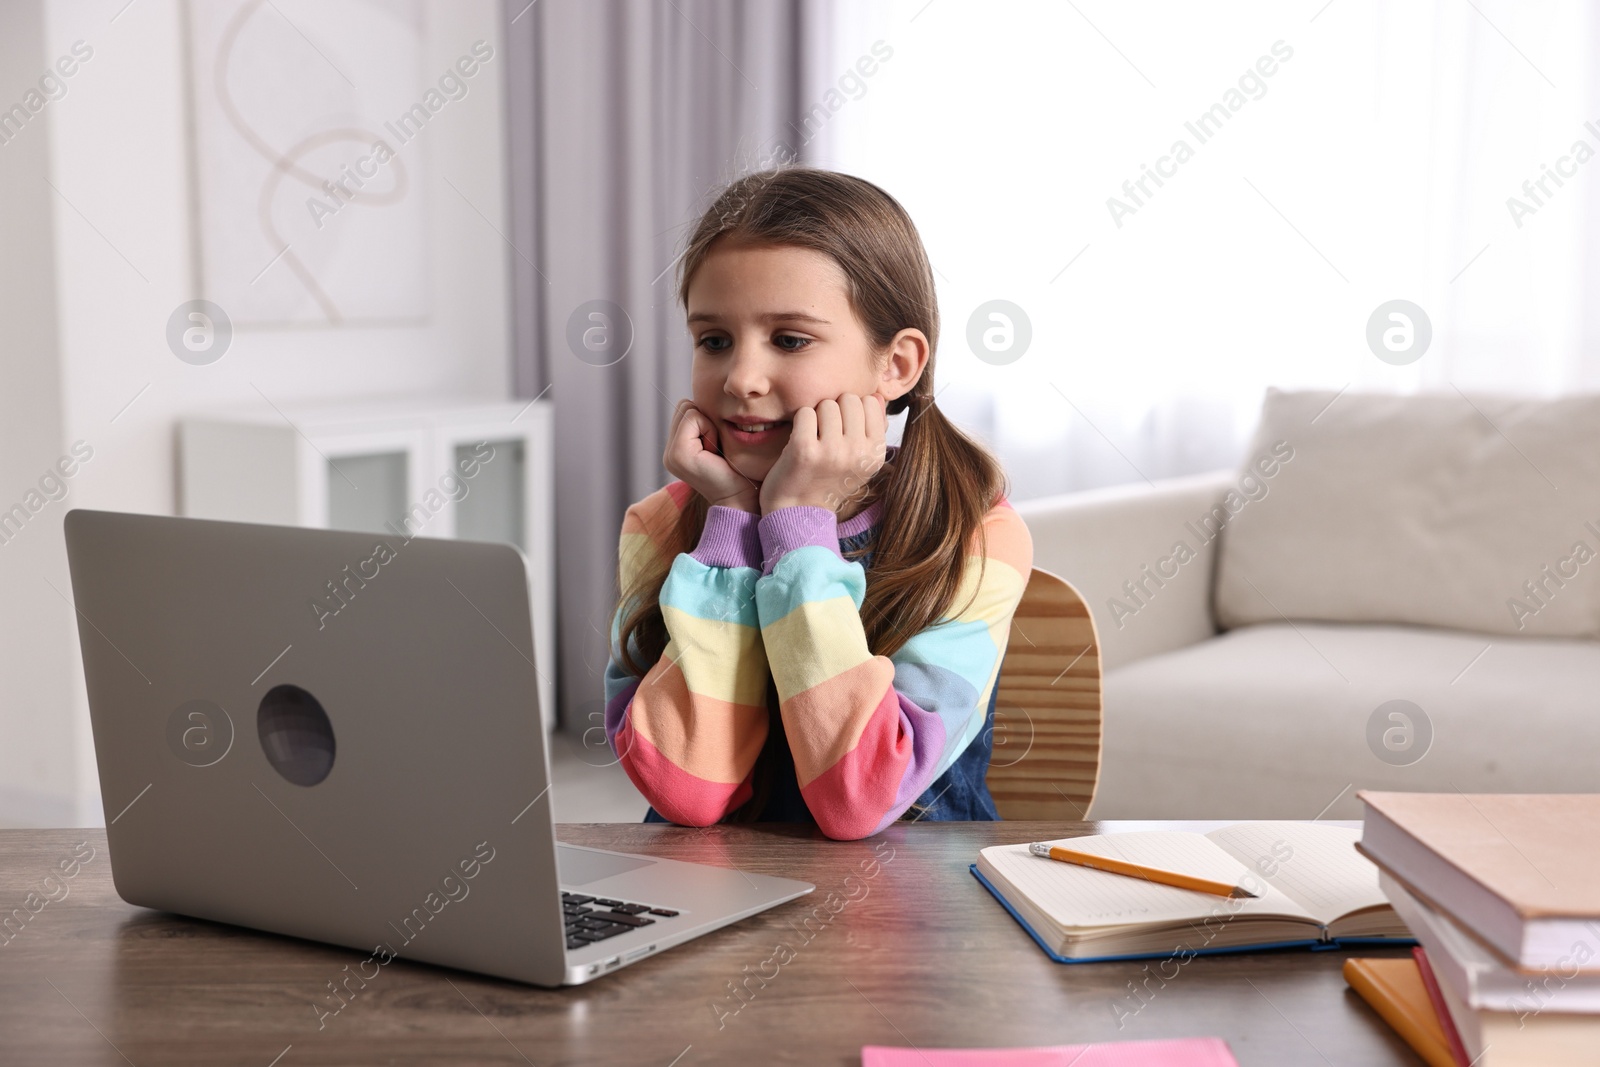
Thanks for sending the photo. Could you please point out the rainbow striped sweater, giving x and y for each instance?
(771, 597)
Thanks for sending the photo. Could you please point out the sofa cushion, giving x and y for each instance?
(1467, 512)
(1287, 721)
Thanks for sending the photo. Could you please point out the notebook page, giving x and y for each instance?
(1170, 850)
(1077, 897)
(1317, 866)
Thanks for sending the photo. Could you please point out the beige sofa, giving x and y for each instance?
(1397, 592)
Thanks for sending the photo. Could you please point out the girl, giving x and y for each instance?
(810, 623)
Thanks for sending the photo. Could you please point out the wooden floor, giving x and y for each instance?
(918, 953)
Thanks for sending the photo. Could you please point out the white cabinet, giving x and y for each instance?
(477, 470)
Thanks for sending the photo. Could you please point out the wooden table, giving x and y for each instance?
(922, 956)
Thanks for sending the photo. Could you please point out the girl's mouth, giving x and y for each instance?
(757, 436)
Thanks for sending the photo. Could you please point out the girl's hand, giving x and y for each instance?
(694, 454)
(833, 451)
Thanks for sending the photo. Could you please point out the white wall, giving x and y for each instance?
(38, 770)
(124, 258)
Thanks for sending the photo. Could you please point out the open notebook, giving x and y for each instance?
(1312, 888)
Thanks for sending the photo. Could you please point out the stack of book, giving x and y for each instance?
(1502, 892)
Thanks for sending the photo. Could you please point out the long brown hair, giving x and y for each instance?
(940, 483)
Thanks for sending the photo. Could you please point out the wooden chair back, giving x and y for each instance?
(1045, 756)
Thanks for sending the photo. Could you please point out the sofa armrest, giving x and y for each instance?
(1142, 556)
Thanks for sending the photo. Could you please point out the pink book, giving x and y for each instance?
(1430, 982)
(1186, 1052)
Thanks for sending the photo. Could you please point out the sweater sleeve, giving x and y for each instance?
(688, 732)
(870, 733)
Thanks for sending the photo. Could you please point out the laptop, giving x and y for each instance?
(336, 736)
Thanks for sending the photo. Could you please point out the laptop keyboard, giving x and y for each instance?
(591, 919)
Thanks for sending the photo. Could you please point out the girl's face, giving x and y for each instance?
(774, 331)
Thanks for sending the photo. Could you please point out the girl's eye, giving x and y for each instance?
(787, 341)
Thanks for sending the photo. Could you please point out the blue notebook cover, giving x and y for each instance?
(1315, 944)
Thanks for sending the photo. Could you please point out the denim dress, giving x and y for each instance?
(960, 793)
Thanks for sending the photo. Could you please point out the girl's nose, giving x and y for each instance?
(747, 374)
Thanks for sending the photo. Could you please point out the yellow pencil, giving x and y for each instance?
(1136, 870)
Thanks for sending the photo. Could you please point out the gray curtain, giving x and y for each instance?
(625, 117)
